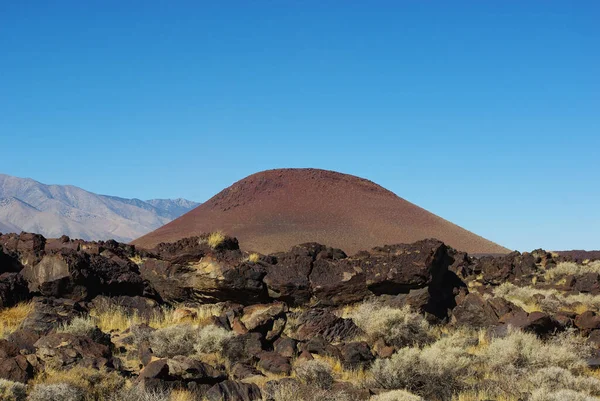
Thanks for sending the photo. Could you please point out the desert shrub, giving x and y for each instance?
(315, 373)
(253, 257)
(293, 391)
(93, 384)
(12, 391)
(566, 268)
(174, 340)
(396, 326)
(522, 352)
(560, 395)
(138, 393)
(396, 395)
(215, 239)
(79, 326)
(56, 392)
(210, 339)
(528, 298)
(11, 318)
(555, 379)
(187, 339)
(437, 370)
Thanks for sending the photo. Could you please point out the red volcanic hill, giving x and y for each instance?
(274, 210)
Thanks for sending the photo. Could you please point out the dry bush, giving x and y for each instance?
(525, 352)
(555, 379)
(215, 239)
(396, 395)
(293, 391)
(114, 318)
(570, 268)
(12, 391)
(526, 298)
(182, 395)
(396, 326)
(211, 338)
(79, 326)
(93, 384)
(187, 339)
(11, 318)
(56, 392)
(314, 373)
(138, 393)
(560, 395)
(174, 340)
(253, 257)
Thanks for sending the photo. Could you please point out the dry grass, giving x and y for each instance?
(182, 395)
(253, 258)
(115, 318)
(397, 395)
(11, 318)
(79, 326)
(396, 326)
(552, 301)
(215, 239)
(95, 384)
(567, 268)
(187, 339)
(12, 391)
(357, 377)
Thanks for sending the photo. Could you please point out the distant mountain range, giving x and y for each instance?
(56, 210)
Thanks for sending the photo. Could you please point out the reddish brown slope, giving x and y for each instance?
(276, 209)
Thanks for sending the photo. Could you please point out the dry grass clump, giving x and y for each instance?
(139, 393)
(294, 391)
(435, 371)
(396, 395)
(79, 326)
(566, 268)
(12, 391)
(396, 326)
(187, 339)
(560, 395)
(253, 257)
(56, 392)
(11, 318)
(115, 318)
(553, 300)
(91, 384)
(214, 240)
(315, 373)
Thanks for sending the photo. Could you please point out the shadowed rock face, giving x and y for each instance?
(272, 211)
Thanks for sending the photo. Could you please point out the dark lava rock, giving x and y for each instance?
(513, 267)
(63, 350)
(321, 322)
(535, 322)
(27, 248)
(79, 276)
(355, 355)
(24, 339)
(274, 363)
(230, 390)
(13, 289)
(285, 346)
(17, 369)
(473, 311)
(588, 321)
(49, 313)
(243, 348)
(242, 371)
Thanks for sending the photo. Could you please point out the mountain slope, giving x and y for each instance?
(274, 210)
(55, 210)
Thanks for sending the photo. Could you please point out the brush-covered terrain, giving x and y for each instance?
(199, 319)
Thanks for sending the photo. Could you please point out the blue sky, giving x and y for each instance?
(486, 113)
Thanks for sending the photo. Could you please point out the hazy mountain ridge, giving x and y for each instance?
(55, 210)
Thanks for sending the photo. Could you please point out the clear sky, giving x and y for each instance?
(486, 113)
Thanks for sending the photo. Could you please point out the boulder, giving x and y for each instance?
(13, 289)
(242, 371)
(588, 282)
(320, 322)
(338, 282)
(243, 348)
(49, 313)
(187, 369)
(535, 322)
(474, 312)
(261, 317)
(211, 277)
(287, 276)
(230, 390)
(27, 248)
(23, 340)
(63, 350)
(16, 369)
(274, 363)
(286, 346)
(588, 321)
(514, 267)
(356, 355)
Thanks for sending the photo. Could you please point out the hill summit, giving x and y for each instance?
(274, 210)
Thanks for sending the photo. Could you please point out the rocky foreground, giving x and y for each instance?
(201, 320)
